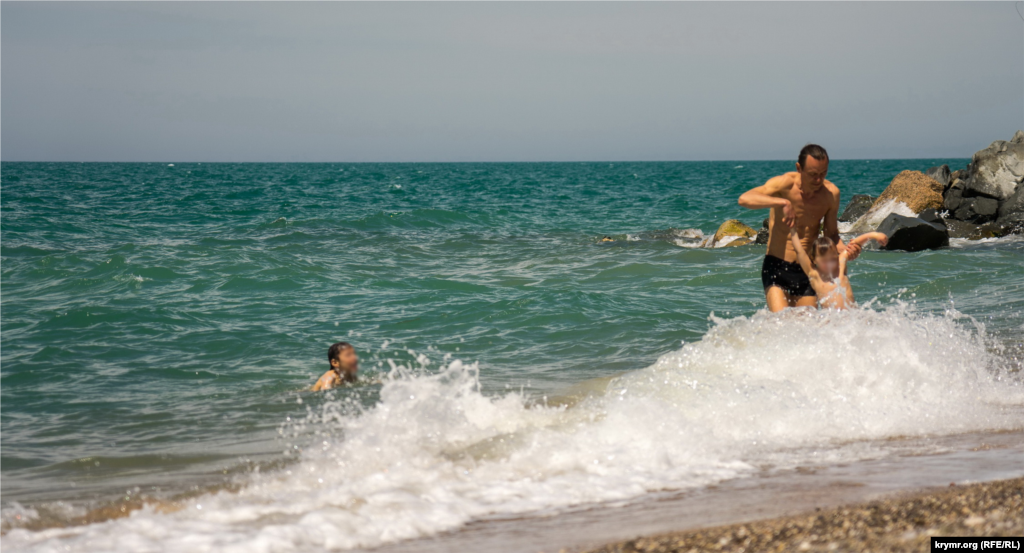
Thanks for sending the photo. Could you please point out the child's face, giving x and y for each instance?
(347, 361)
(827, 263)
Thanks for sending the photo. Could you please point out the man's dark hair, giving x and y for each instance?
(813, 150)
(335, 351)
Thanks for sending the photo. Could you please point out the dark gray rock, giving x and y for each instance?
(858, 206)
(762, 233)
(996, 170)
(940, 173)
(953, 196)
(1011, 212)
(932, 216)
(977, 210)
(962, 229)
(913, 234)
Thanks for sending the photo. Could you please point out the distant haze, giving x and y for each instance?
(506, 81)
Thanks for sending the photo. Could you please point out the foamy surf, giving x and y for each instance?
(803, 388)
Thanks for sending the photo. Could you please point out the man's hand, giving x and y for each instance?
(788, 215)
(852, 251)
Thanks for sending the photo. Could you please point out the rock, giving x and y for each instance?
(1018, 137)
(940, 174)
(977, 210)
(913, 234)
(914, 189)
(1011, 212)
(738, 242)
(958, 174)
(732, 228)
(762, 233)
(858, 206)
(970, 231)
(953, 196)
(996, 171)
(931, 215)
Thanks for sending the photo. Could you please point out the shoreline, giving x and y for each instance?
(775, 510)
(904, 523)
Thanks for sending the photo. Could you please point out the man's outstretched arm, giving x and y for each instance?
(766, 196)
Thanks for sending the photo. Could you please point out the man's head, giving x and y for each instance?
(812, 164)
(343, 359)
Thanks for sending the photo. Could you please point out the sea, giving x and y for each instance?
(162, 324)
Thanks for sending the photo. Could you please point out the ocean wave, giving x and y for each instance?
(801, 388)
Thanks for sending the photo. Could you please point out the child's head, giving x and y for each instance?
(825, 257)
(343, 358)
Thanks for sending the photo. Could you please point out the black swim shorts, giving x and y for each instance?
(788, 276)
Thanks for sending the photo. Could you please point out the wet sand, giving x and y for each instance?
(902, 524)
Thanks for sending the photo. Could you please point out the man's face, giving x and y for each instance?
(812, 173)
(347, 361)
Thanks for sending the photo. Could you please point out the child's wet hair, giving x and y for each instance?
(823, 244)
(334, 352)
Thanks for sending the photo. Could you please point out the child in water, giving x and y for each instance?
(826, 268)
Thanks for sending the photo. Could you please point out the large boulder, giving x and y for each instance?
(996, 171)
(913, 188)
(940, 174)
(977, 210)
(1011, 212)
(913, 233)
(858, 206)
(953, 196)
(733, 233)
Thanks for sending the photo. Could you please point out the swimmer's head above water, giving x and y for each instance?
(343, 359)
(344, 366)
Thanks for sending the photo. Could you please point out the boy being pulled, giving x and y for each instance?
(344, 367)
(826, 268)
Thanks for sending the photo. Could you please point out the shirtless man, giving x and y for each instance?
(802, 200)
(344, 366)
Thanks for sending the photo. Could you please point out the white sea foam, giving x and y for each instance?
(801, 388)
(870, 220)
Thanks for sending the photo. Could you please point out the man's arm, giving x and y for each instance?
(767, 196)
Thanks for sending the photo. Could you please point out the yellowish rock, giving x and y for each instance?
(733, 227)
(915, 189)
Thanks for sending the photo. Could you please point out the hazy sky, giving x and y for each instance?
(506, 81)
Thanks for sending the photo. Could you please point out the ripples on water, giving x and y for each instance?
(159, 323)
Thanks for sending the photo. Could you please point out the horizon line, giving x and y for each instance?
(172, 161)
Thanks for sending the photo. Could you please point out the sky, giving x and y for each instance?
(532, 81)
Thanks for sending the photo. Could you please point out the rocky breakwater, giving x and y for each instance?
(986, 198)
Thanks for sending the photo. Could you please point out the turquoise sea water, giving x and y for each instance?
(160, 322)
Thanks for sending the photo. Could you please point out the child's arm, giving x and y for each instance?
(860, 240)
(801, 255)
